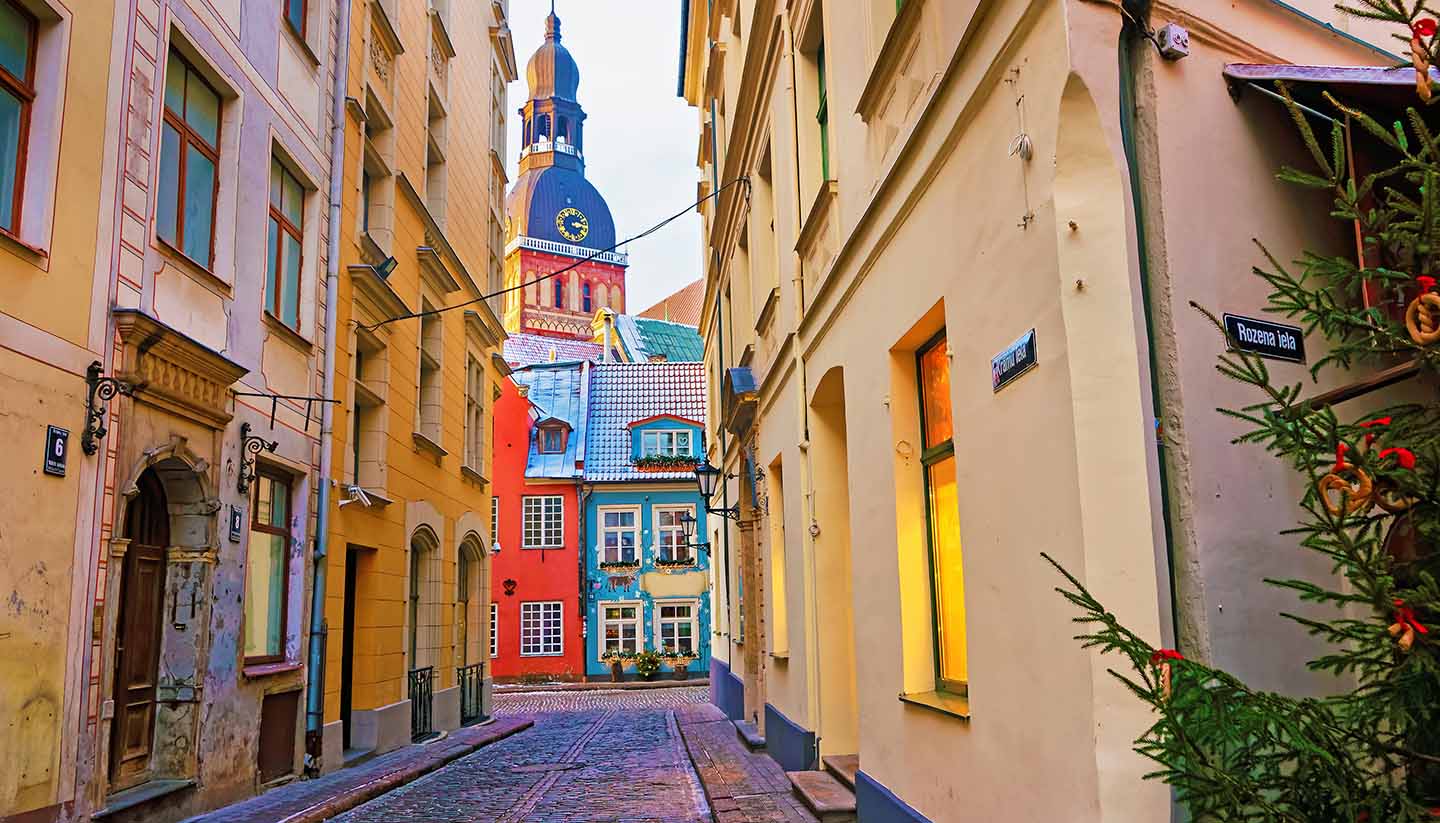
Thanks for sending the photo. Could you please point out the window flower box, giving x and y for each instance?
(666, 463)
(620, 568)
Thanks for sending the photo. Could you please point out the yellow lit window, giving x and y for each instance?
(943, 516)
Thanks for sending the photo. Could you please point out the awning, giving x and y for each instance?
(1366, 87)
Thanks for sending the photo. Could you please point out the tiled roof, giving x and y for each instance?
(557, 391)
(683, 306)
(528, 349)
(620, 394)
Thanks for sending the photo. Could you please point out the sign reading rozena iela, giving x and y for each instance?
(1017, 359)
(1266, 339)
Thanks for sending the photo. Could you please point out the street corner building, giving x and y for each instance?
(950, 256)
(646, 579)
(168, 340)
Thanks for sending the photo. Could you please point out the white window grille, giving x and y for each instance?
(541, 633)
(544, 517)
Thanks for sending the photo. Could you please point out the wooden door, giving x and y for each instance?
(137, 639)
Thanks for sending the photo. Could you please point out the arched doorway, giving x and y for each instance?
(471, 631)
(424, 638)
(137, 638)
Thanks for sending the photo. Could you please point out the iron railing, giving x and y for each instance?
(472, 693)
(422, 692)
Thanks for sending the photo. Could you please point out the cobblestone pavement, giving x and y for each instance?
(591, 756)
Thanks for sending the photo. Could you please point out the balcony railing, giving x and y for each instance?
(422, 694)
(552, 247)
(472, 693)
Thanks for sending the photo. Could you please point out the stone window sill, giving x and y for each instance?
(257, 670)
(193, 267)
(285, 332)
(424, 443)
(26, 250)
(141, 794)
(947, 703)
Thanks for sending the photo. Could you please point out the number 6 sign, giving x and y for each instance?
(57, 447)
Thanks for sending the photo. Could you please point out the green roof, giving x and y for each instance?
(675, 342)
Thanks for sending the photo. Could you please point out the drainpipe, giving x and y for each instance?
(315, 684)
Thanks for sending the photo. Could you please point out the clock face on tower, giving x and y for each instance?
(573, 224)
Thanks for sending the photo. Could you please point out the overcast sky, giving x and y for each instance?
(640, 139)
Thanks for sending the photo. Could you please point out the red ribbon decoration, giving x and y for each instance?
(1340, 449)
(1403, 456)
(1405, 616)
(1379, 421)
(1426, 282)
(1424, 27)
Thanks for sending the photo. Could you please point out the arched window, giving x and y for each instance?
(562, 128)
(525, 132)
(559, 293)
(585, 298)
(542, 127)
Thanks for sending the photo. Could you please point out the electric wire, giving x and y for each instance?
(646, 233)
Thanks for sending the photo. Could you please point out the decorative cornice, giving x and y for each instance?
(180, 374)
(435, 236)
(368, 283)
(434, 270)
(888, 62)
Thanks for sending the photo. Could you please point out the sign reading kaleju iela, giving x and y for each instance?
(1014, 361)
(1265, 338)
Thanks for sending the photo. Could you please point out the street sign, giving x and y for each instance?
(57, 448)
(237, 523)
(1014, 361)
(1273, 340)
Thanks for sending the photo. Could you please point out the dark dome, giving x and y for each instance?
(552, 71)
(541, 193)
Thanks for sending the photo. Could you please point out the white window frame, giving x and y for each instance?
(494, 520)
(542, 647)
(602, 530)
(678, 529)
(653, 443)
(638, 621)
(546, 535)
(694, 606)
(494, 630)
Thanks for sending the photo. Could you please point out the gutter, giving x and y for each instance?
(315, 669)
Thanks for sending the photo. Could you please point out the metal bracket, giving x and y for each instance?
(100, 390)
(250, 446)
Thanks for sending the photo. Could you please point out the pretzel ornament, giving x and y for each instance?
(1422, 316)
(1354, 496)
(1389, 497)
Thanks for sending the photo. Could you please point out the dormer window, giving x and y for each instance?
(665, 443)
(550, 439)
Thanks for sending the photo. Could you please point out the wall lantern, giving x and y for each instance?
(707, 479)
(688, 522)
(250, 446)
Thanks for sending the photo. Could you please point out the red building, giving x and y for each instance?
(535, 576)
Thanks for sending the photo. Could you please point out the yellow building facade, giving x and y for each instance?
(946, 321)
(58, 171)
(407, 603)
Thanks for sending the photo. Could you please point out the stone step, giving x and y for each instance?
(824, 796)
(843, 768)
(749, 733)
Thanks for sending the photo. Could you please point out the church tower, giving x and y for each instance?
(555, 217)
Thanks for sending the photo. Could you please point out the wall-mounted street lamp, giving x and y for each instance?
(250, 446)
(385, 268)
(708, 478)
(99, 390)
(688, 522)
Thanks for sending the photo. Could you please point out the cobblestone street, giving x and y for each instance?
(591, 756)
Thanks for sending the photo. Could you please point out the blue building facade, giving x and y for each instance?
(647, 587)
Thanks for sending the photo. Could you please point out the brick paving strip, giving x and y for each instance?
(536, 793)
(742, 786)
(310, 801)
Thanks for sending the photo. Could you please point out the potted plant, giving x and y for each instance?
(617, 658)
(647, 664)
(665, 463)
(680, 663)
(620, 567)
(674, 563)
